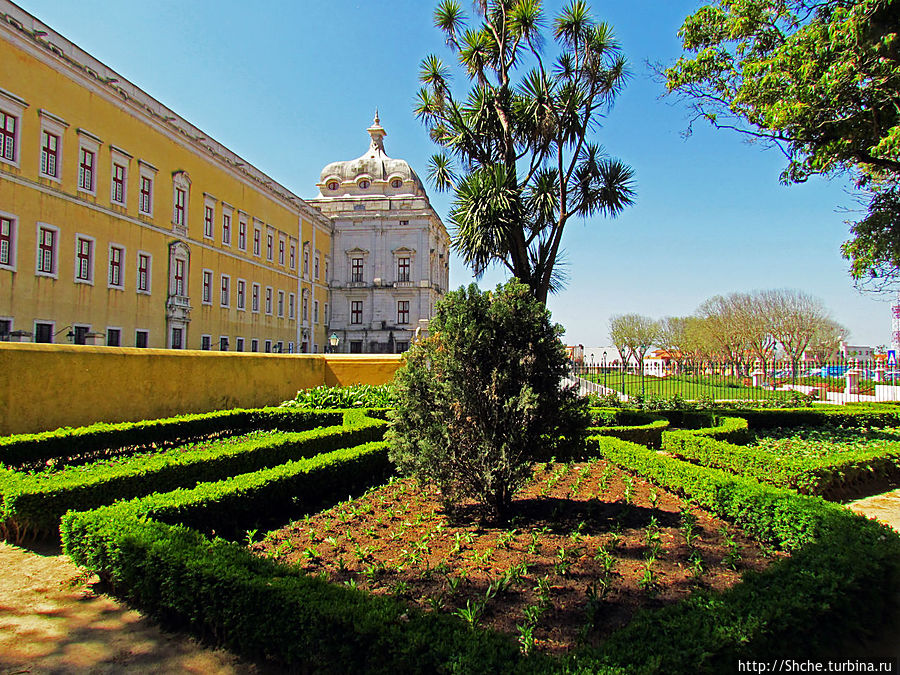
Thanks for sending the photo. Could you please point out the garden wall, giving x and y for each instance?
(46, 386)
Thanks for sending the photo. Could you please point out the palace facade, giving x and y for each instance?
(123, 224)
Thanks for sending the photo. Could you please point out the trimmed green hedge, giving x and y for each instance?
(842, 576)
(260, 608)
(849, 416)
(25, 448)
(32, 504)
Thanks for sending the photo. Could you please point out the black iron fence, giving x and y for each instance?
(838, 381)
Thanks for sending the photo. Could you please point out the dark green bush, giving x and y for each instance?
(480, 399)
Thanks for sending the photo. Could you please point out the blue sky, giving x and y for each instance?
(292, 85)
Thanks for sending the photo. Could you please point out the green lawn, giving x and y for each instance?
(686, 386)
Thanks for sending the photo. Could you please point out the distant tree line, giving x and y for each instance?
(741, 329)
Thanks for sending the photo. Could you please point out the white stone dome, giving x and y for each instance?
(373, 174)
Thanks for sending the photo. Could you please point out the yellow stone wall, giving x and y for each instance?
(50, 386)
(50, 84)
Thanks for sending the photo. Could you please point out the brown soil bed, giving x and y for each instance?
(571, 566)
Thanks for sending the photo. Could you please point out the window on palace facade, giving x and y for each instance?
(180, 214)
(292, 304)
(116, 271)
(143, 272)
(239, 344)
(113, 337)
(181, 193)
(268, 346)
(7, 242)
(50, 154)
(254, 300)
(177, 338)
(254, 345)
(293, 256)
(141, 338)
(268, 299)
(325, 313)
(206, 296)
(316, 266)
(84, 259)
(356, 311)
(146, 201)
(306, 260)
(86, 166)
(9, 136)
(226, 291)
(118, 184)
(403, 311)
(315, 311)
(47, 250)
(205, 342)
(281, 251)
(281, 304)
(208, 215)
(257, 237)
(270, 241)
(179, 277)
(356, 270)
(241, 294)
(226, 228)
(402, 269)
(223, 343)
(305, 306)
(242, 235)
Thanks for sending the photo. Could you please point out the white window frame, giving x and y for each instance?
(122, 257)
(109, 328)
(292, 259)
(255, 298)
(280, 304)
(227, 342)
(15, 107)
(118, 157)
(92, 262)
(238, 344)
(254, 345)
(54, 274)
(325, 313)
(146, 332)
(87, 142)
(13, 241)
(257, 241)
(209, 209)
(270, 246)
(181, 181)
(225, 290)
(227, 216)
(137, 281)
(315, 312)
(206, 275)
(146, 171)
(292, 306)
(268, 300)
(241, 295)
(54, 126)
(206, 342)
(316, 265)
(281, 247)
(242, 227)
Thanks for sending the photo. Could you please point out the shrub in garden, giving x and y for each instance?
(481, 398)
(354, 396)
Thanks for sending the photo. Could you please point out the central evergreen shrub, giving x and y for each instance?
(480, 399)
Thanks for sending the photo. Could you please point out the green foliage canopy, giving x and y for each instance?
(820, 79)
(521, 133)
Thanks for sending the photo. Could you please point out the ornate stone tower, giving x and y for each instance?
(390, 251)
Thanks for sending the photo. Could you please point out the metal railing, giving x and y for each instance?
(834, 381)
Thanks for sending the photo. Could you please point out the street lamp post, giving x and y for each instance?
(604, 373)
(333, 340)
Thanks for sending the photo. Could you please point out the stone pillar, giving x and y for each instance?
(852, 381)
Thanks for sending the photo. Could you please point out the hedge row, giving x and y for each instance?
(826, 476)
(846, 416)
(67, 442)
(842, 575)
(32, 504)
(262, 609)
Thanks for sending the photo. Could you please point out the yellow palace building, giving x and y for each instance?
(122, 224)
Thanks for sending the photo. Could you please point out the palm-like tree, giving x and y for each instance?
(517, 152)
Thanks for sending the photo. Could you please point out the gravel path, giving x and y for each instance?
(51, 621)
